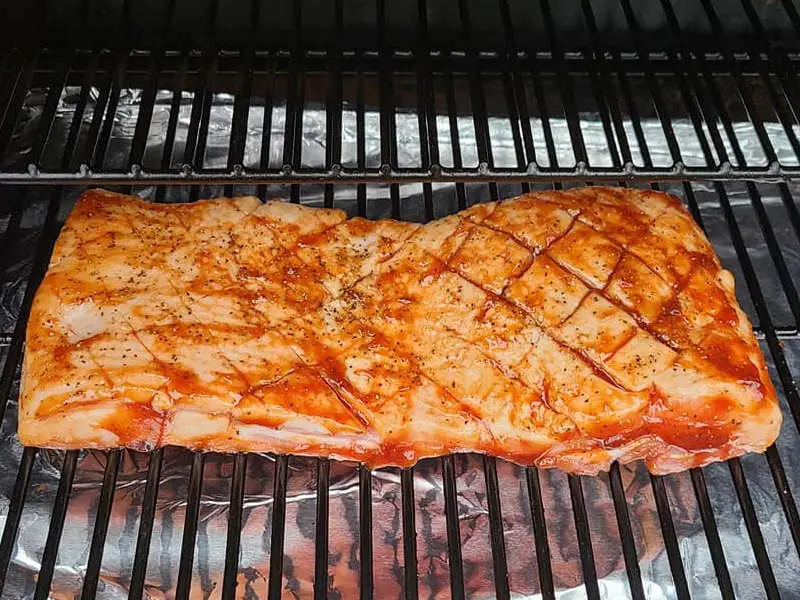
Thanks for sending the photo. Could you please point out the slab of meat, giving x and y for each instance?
(565, 329)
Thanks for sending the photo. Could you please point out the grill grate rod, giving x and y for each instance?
(186, 560)
(293, 129)
(584, 537)
(365, 531)
(333, 103)
(21, 84)
(453, 530)
(567, 97)
(540, 534)
(388, 123)
(604, 99)
(146, 519)
(234, 527)
(670, 538)
(515, 97)
(15, 512)
(410, 589)
(56, 527)
(244, 91)
(426, 111)
(266, 126)
(172, 123)
(321, 549)
(455, 141)
(753, 530)
(626, 533)
(784, 494)
(712, 533)
(275, 584)
(92, 576)
(480, 117)
(496, 528)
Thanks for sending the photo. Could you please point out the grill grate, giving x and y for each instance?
(523, 110)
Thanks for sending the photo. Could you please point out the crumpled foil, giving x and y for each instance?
(387, 534)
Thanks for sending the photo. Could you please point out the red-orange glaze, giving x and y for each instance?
(562, 329)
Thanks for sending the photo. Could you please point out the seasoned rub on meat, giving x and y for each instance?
(562, 329)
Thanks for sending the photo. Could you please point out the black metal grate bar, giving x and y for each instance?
(388, 124)
(266, 127)
(482, 140)
(92, 576)
(21, 84)
(670, 538)
(146, 520)
(105, 117)
(496, 529)
(145, 113)
(244, 87)
(174, 113)
(584, 537)
(292, 138)
(51, 105)
(455, 141)
(321, 549)
(613, 102)
(410, 589)
(194, 150)
(365, 531)
(626, 533)
(525, 150)
(784, 494)
(753, 530)
(712, 534)
(653, 89)
(453, 530)
(604, 99)
(241, 108)
(56, 527)
(540, 534)
(275, 584)
(183, 587)
(791, 208)
(479, 113)
(361, 143)
(15, 512)
(234, 527)
(570, 108)
(333, 113)
(426, 111)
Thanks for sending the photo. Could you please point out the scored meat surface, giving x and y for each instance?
(562, 329)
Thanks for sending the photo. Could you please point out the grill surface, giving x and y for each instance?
(410, 131)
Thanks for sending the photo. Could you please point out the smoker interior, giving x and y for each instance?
(383, 124)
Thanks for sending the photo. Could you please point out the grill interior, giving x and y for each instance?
(408, 127)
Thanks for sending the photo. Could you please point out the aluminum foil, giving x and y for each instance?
(344, 559)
